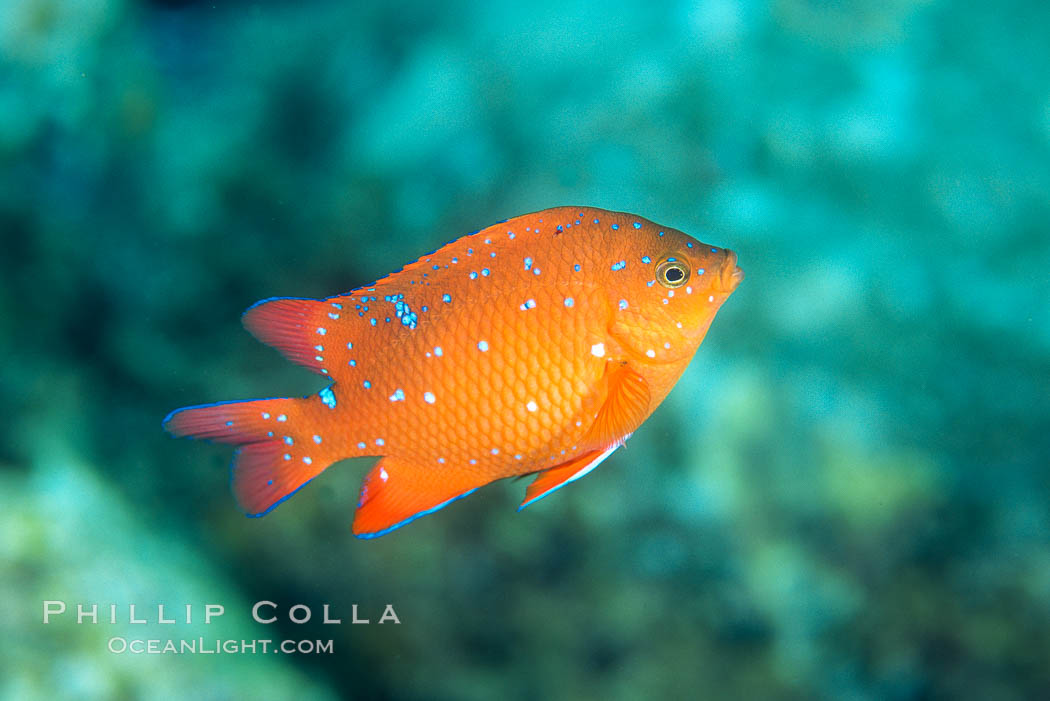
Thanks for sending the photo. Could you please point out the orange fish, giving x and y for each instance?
(535, 346)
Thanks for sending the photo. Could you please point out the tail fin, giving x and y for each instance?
(276, 455)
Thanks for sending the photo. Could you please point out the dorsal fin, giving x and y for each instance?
(291, 326)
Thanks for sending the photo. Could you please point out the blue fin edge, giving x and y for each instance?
(274, 299)
(582, 473)
(413, 517)
(277, 503)
(164, 423)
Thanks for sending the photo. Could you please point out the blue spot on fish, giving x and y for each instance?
(446, 298)
(619, 266)
(398, 395)
(528, 263)
(483, 346)
(637, 225)
(569, 301)
(327, 397)
(405, 314)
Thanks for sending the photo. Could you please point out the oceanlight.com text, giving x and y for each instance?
(213, 646)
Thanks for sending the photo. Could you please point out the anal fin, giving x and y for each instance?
(397, 492)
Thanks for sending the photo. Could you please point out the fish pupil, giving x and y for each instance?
(671, 273)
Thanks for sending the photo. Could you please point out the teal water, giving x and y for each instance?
(845, 497)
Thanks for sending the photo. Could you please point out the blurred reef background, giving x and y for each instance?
(847, 495)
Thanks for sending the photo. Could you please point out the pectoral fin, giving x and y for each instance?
(626, 406)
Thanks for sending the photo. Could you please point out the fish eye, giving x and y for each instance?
(672, 273)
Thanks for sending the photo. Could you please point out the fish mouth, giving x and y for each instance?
(731, 274)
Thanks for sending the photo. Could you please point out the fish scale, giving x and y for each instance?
(472, 390)
(537, 345)
(487, 389)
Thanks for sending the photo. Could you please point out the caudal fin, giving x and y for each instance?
(276, 456)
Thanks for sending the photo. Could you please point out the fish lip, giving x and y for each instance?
(731, 275)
